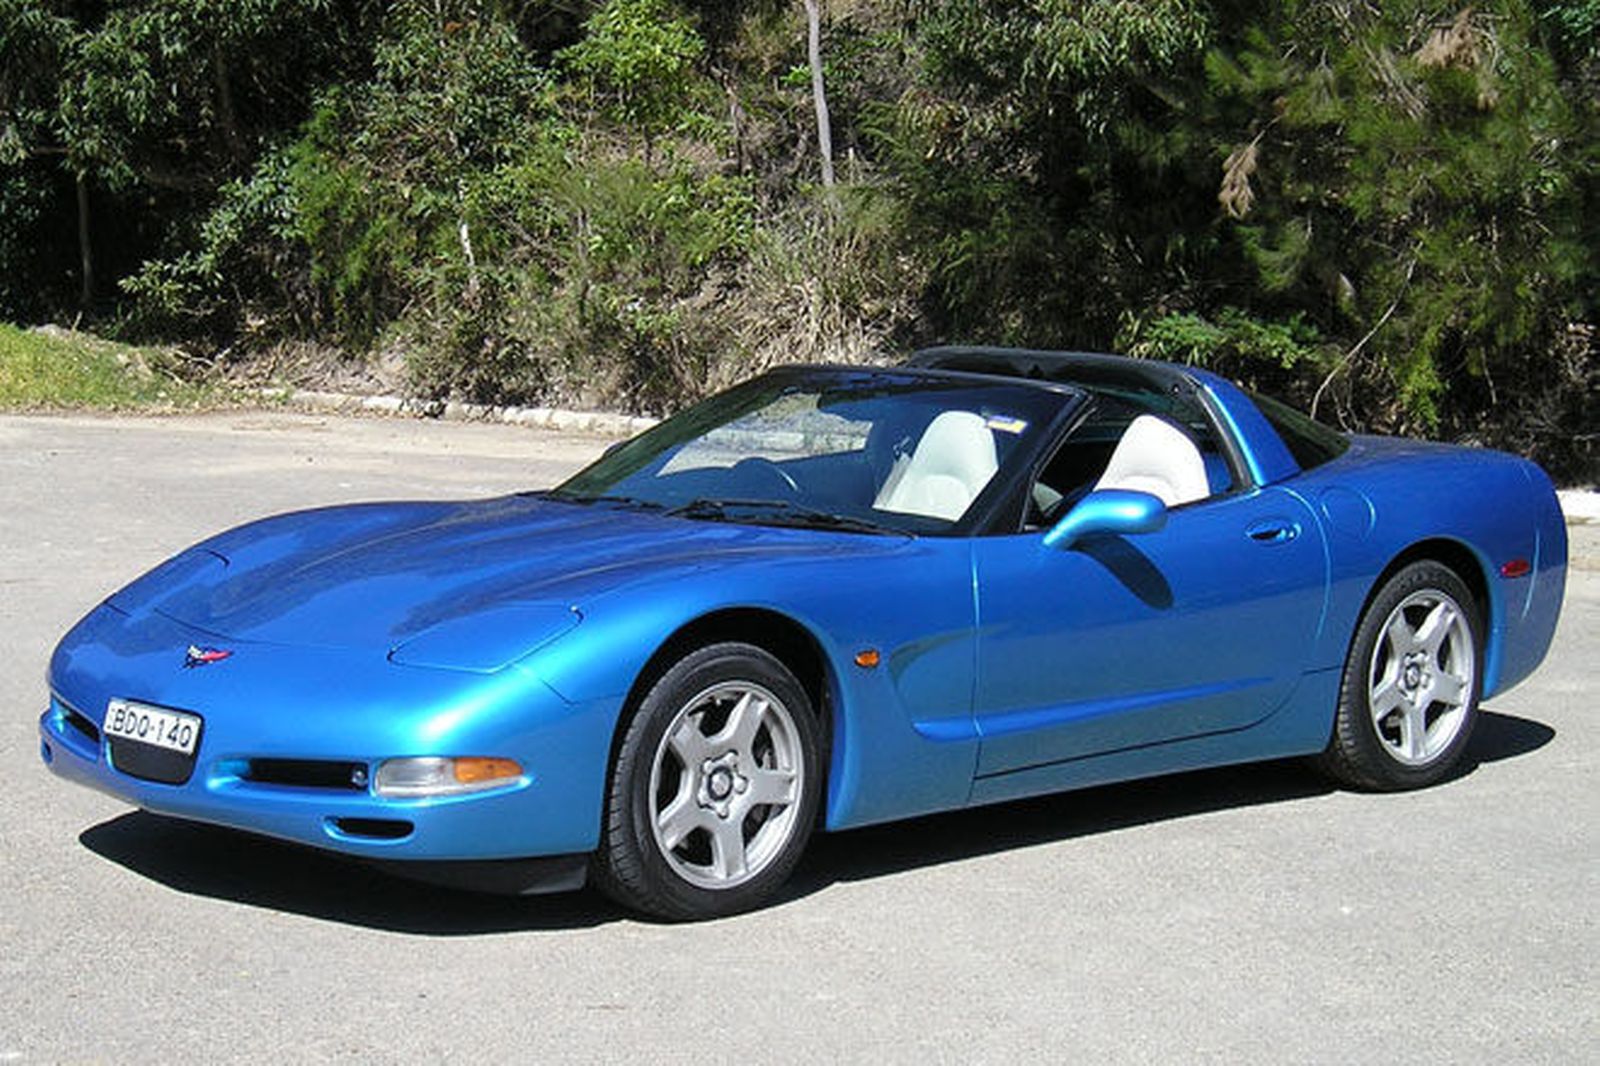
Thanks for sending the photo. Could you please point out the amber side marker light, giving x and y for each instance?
(1515, 568)
(477, 771)
(868, 659)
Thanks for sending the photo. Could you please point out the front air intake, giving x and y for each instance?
(86, 728)
(374, 828)
(307, 773)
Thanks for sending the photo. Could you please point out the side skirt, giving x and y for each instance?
(1300, 727)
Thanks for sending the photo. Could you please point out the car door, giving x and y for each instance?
(1117, 642)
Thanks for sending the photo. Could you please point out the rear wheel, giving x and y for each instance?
(715, 787)
(1409, 695)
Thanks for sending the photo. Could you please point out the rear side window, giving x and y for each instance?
(1309, 441)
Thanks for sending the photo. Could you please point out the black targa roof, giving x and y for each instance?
(1117, 372)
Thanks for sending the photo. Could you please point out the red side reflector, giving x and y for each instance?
(1515, 568)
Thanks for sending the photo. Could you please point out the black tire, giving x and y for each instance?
(654, 792)
(1406, 710)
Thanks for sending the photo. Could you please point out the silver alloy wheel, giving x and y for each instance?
(725, 785)
(1421, 677)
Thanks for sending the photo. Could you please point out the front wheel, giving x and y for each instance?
(714, 788)
(1409, 695)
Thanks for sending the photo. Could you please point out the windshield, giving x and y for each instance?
(856, 450)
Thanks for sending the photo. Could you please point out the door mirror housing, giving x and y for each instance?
(1108, 511)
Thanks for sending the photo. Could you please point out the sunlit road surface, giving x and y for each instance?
(1244, 915)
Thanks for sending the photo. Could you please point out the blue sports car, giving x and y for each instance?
(828, 597)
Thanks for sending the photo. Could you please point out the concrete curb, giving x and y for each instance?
(598, 423)
(1580, 506)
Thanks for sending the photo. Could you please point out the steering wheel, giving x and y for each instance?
(771, 471)
(1046, 506)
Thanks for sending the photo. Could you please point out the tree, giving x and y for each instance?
(1416, 193)
(35, 42)
(151, 105)
(819, 94)
(636, 59)
(1045, 166)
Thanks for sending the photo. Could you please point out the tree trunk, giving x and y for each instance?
(736, 117)
(819, 94)
(230, 120)
(85, 255)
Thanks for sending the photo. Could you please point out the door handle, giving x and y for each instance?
(1273, 531)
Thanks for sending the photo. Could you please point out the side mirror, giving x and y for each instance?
(1117, 511)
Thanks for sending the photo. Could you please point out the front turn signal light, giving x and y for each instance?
(434, 775)
(480, 771)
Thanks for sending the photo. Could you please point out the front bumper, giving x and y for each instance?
(326, 706)
(356, 822)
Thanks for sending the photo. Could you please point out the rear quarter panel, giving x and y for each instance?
(1387, 498)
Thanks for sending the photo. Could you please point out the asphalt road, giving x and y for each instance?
(1246, 915)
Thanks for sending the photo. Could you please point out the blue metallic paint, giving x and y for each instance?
(1108, 512)
(517, 627)
(1195, 629)
(1266, 457)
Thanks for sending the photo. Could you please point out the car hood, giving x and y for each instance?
(376, 576)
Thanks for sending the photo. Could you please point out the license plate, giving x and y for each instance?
(152, 725)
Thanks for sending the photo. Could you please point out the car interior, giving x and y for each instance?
(953, 461)
(927, 455)
(1172, 454)
(933, 462)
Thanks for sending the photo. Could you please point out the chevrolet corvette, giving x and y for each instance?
(828, 597)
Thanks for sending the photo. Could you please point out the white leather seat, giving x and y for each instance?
(1155, 456)
(952, 463)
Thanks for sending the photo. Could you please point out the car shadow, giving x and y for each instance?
(1503, 736)
(930, 841)
(257, 871)
(206, 860)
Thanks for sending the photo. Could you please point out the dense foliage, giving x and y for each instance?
(1390, 212)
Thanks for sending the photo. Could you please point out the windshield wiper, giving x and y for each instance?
(620, 501)
(779, 513)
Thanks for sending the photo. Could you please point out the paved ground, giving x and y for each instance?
(1247, 915)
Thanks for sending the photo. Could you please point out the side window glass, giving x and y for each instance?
(1198, 426)
(1168, 428)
